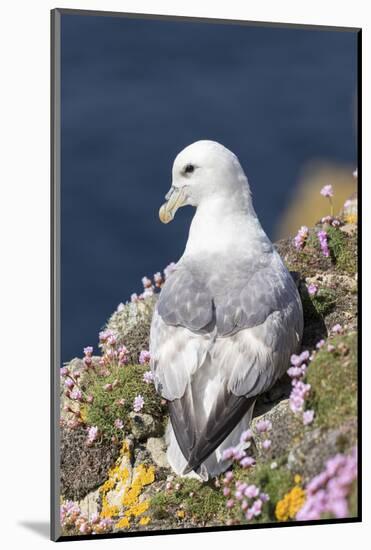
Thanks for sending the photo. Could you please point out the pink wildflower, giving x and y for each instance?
(69, 383)
(147, 283)
(312, 289)
(144, 357)
(320, 344)
(245, 436)
(119, 424)
(247, 462)
(138, 403)
(327, 191)
(148, 377)
(93, 433)
(169, 269)
(263, 426)
(322, 237)
(301, 237)
(308, 417)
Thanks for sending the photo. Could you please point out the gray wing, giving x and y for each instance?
(245, 330)
(186, 301)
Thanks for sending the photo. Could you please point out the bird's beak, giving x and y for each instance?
(175, 198)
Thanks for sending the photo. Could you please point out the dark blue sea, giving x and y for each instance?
(135, 92)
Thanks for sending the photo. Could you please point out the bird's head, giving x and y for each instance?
(203, 170)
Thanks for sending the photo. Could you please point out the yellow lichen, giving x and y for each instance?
(290, 504)
(180, 514)
(142, 476)
(108, 510)
(297, 479)
(138, 509)
(123, 523)
(144, 520)
(351, 218)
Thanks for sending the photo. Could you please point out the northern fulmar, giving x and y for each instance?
(228, 317)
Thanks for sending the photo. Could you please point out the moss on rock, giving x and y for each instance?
(117, 403)
(333, 379)
(189, 500)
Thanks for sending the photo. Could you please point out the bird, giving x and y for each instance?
(227, 319)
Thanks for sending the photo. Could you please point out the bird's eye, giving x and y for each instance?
(189, 169)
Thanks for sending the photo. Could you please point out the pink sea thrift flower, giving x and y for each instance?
(251, 491)
(312, 289)
(134, 297)
(299, 393)
(327, 191)
(264, 426)
(119, 424)
(69, 383)
(147, 283)
(93, 433)
(327, 493)
(247, 462)
(123, 355)
(169, 269)
(297, 360)
(144, 357)
(148, 377)
(246, 435)
(228, 477)
(308, 417)
(138, 403)
(301, 237)
(76, 395)
(157, 277)
(322, 237)
(337, 329)
(95, 518)
(347, 204)
(88, 350)
(320, 344)
(266, 444)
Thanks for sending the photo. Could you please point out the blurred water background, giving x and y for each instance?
(135, 92)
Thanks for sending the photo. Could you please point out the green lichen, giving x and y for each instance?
(333, 379)
(106, 406)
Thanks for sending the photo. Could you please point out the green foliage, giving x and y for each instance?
(106, 407)
(200, 502)
(275, 482)
(324, 301)
(333, 379)
(343, 249)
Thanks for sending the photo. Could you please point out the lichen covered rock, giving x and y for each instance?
(132, 322)
(83, 467)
